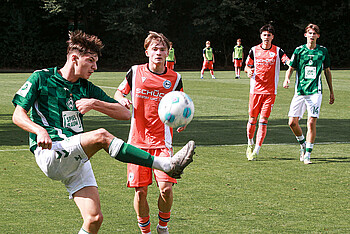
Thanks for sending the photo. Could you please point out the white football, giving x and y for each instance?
(176, 109)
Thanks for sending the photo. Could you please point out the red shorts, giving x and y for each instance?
(261, 104)
(139, 176)
(238, 62)
(170, 65)
(207, 65)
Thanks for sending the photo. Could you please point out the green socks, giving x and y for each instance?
(129, 154)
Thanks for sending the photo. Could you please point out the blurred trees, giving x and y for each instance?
(33, 32)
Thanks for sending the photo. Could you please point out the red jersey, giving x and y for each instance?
(146, 88)
(266, 63)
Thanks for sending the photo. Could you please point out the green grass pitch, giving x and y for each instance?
(220, 192)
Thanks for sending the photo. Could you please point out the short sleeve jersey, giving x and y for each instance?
(208, 52)
(309, 65)
(51, 99)
(238, 52)
(171, 56)
(146, 88)
(266, 63)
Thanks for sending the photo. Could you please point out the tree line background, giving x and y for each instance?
(33, 32)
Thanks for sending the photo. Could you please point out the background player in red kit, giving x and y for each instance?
(147, 84)
(263, 67)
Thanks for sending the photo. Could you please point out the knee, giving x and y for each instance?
(292, 123)
(94, 219)
(252, 120)
(141, 193)
(166, 192)
(102, 135)
(311, 123)
(263, 120)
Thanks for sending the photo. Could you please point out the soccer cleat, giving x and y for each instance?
(213, 77)
(250, 149)
(181, 160)
(161, 230)
(252, 157)
(307, 160)
(201, 77)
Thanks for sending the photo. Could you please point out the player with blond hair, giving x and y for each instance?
(237, 58)
(147, 84)
(208, 60)
(308, 60)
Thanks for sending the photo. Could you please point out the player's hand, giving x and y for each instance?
(331, 98)
(84, 105)
(180, 129)
(250, 72)
(285, 83)
(43, 139)
(125, 102)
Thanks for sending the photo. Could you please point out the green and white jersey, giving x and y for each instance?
(208, 52)
(171, 56)
(309, 65)
(238, 52)
(51, 99)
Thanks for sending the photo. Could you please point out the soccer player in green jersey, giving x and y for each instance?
(208, 60)
(308, 60)
(58, 98)
(237, 58)
(171, 59)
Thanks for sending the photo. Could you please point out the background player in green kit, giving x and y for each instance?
(208, 60)
(308, 60)
(237, 58)
(58, 99)
(171, 59)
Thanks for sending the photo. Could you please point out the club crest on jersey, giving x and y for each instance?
(272, 54)
(70, 103)
(24, 89)
(167, 84)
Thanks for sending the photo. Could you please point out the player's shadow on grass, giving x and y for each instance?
(331, 160)
(205, 130)
(221, 130)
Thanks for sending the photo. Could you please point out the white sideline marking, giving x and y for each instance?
(107, 87)
(13, 150)
(321, 143)
(296, 143)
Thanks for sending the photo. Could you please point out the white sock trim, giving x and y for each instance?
(115, 146)
(300, 138)
(162, 227)
(82, 231)
(309, 145)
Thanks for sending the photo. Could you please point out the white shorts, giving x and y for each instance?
(300, 103)
(66, 161)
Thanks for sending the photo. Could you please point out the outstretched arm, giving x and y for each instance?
(121, 99)
(328, 74)
(21, 119)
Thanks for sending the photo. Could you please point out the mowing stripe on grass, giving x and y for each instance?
(321, 143)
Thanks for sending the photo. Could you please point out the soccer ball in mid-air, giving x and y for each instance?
(176, 109)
